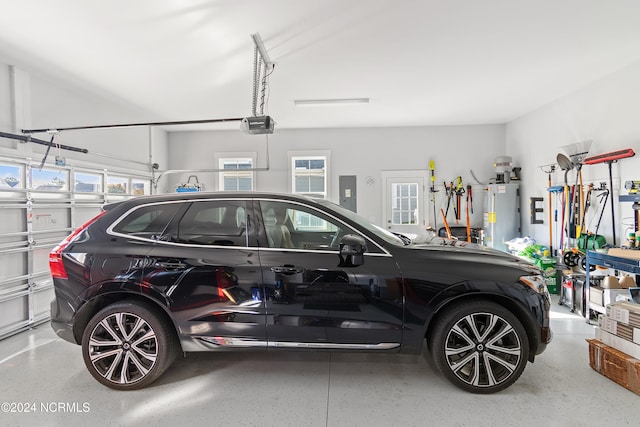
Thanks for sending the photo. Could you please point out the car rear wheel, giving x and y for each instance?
(479, 346)
(127, 345)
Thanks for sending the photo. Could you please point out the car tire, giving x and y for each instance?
(128, 345)
(479, 346)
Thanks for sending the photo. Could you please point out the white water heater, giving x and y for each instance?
(501, 214)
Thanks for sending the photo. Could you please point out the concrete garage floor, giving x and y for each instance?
(310, 389)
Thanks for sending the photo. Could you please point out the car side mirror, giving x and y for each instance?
(352, 249)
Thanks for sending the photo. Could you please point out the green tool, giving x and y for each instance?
(432, 166)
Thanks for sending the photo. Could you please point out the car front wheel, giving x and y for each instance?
(479, 346)
(127, 345)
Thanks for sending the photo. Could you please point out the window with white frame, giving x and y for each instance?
(237, 174)
(309, 176)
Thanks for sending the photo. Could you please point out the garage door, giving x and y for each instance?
(39, 206)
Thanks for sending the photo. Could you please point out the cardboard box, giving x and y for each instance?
(625, 312)
(615, 365)
(596, 295)
(628, 347)
(611, 295)
(618, 312)
(624, 253)
(607, 324)
(604, 296)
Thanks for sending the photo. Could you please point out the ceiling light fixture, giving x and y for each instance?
(326, 102)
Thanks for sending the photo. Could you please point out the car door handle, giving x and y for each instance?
(286, 270)
(171, 265)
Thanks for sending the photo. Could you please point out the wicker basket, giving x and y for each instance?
(615, 365)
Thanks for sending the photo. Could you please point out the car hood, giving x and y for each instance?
(447, 250)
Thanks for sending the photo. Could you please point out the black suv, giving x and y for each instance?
(155, 276)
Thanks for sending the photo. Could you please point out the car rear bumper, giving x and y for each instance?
(62, 319)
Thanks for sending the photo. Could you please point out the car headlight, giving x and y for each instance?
(537, 283)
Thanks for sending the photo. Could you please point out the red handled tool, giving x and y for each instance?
(449, 190)
(446, 224)
(609, 159)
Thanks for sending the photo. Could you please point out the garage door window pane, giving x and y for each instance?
(117, 185)
(11, 177)
(87, 183)
(140, 187)
(49, 180)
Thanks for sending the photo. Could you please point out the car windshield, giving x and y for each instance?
(387, 236)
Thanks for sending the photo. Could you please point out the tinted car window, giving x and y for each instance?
(221, 223)
(147, 221)
(294, 226)
(378, 231)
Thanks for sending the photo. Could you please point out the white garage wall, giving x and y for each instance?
(362, 152)
(54, 104)
(63, 106)
(5, 98)
(606, 112)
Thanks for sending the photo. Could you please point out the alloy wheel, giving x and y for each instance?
(123, 348)
(483, 350)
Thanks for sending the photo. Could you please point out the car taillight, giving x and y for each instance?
(56, 266)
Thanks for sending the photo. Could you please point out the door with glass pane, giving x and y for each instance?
(404, 210)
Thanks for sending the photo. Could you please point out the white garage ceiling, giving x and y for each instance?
(420, 62)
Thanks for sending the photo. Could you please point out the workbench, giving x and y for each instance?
(594, 258)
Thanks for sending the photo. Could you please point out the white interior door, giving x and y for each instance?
(404, 202)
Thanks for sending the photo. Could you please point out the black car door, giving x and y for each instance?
(211, 274)
(313, 302)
